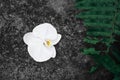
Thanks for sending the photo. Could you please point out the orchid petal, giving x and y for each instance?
(54, 42)
(54, 51)
(30, 39)
(45, 31)
(40, 53)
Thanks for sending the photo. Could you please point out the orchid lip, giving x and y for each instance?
(47, 43)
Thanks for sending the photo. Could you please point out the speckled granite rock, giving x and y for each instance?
(18, 17)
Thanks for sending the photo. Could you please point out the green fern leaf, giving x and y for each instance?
(90, 51)
(91, 41)
(107, 62)
(103, 34)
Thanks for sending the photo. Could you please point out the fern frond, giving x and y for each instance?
(103, 34)
(91, 40)
(95, 16)
(108, 63)
(97, 24)
(102, 20)
(94, 3)
(90, 51)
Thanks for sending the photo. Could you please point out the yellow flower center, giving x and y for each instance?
(48, 43)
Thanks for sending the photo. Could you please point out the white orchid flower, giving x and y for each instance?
(41, 42)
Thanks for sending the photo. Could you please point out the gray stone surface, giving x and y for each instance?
(18, 17)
